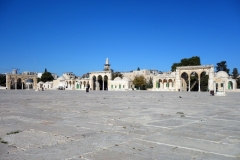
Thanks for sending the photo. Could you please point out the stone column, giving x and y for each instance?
(35, 83)
(189, 87)
(97, 84)
(15, 85)
(7, 82)
(199, 88)
(103, 85)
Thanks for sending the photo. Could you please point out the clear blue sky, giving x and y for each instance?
(78, 35)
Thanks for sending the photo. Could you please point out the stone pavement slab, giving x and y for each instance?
(134, 125)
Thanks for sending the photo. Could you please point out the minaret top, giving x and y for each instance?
(107, 65)
(107, 62)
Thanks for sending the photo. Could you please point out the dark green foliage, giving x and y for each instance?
(140, 82)
(138, 69)
(47, 76)
(222, 66)
(2, 80)
(116, 74)
(204, 82)
(194, 61)
(38, 80)
(235, 73)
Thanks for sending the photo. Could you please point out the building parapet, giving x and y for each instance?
(195, 67)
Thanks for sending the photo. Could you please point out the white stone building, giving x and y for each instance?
(121, 84)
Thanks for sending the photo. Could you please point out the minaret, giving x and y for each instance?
(107, 66)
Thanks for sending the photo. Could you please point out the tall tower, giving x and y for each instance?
(107, 66)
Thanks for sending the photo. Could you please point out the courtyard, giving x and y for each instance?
(124, 125)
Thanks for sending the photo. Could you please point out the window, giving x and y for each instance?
(119, 86)
(112, 86)
(123, 86)
(221, 84)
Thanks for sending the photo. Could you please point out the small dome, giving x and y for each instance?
(117, 79)
(222, 74)
(61, 78)
(126, 79)
(40, 82)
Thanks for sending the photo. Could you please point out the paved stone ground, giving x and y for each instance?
(134, 125)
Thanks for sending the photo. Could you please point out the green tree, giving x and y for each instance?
(116, 74)
(140, 81)
(235, 73)
(47, 76)
(149, 83)
(138, 69)
(193, 61)
(222, 66)
(2, 80)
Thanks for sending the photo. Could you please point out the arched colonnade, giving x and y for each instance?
(188, 77)
(15, 81)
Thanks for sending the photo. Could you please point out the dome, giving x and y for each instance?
(40, 82)
(29, 81)
(222, 74)
(117, 79)
(126, 79)
(61, 78)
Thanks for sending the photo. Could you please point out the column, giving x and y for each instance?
(103, 85)
(199, 88)
(96, 84)
(15, 85)
(189, 87)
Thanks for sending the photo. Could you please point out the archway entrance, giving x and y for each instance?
(105, 83)
(194, 81)
(204, 81)
(230, 85)
(184, 81)
(94, 83)
(100, 82)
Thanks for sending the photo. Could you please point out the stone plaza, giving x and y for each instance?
(120, 125)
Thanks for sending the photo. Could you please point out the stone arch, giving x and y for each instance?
(84, 84)
(208, 69)
(204, 77)
(100, 82)
(66, 84)
(80, 84)
(165, 83)
(230, 85)
(94, 80)
(170, 83)
(184, 81)
(77, 86)
(194, 81)
(105, 82)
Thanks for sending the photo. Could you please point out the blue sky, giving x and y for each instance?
(78, 35)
